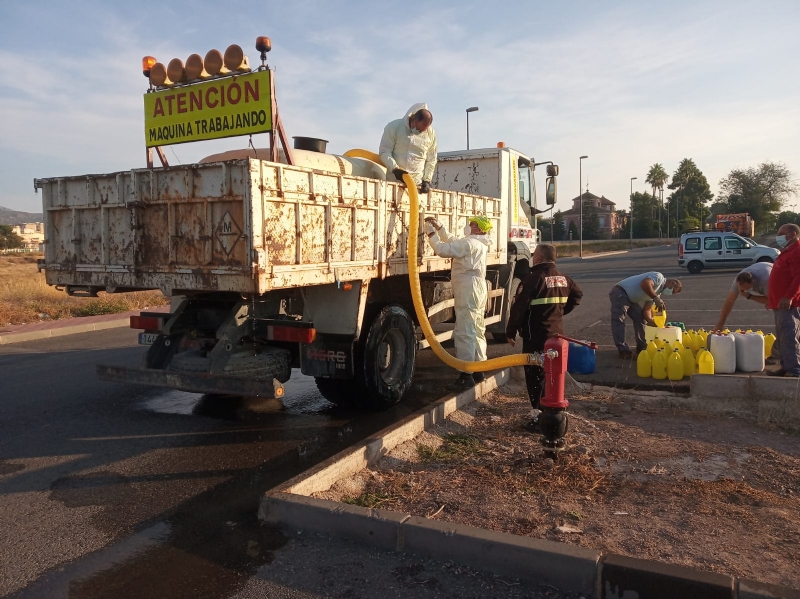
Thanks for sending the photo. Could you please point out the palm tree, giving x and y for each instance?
(656, 177)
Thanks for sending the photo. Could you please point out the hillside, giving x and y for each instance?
(17, 217)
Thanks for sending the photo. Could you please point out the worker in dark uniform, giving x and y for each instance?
(543, 297)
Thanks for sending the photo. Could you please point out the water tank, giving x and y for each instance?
(580, 359)
(312, 144)
(309, 159)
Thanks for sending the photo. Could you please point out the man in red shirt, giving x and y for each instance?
(784, 299)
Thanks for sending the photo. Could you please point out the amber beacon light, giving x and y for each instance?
(147, 64)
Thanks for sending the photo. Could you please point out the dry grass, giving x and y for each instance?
(25, 297)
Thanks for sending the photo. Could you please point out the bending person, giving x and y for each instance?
(408, 146)
(635, 297)
(468, 277)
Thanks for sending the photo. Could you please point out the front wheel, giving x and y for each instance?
(765, 259)
(694, 267)
(385, 359)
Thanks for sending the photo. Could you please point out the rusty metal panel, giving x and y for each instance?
(341, 242)
(280, 231)
(313, 232)
(244, 226)
(118, 236)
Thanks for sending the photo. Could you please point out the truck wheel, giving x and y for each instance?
(189, 361)
(336, 391)
(765, 259)
(385, 360)
(512, 293)
(694, 267)
(269, 363)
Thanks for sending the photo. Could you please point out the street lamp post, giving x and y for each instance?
(580, 185)
(632, 180)
(471, 109)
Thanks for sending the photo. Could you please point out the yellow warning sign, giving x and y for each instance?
(239, 105)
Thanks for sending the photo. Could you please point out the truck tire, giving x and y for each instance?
(269, 363)
(694, 267)
(385, 360)
(512, 293)
(765, 259)
(336, 391)
(189, 361)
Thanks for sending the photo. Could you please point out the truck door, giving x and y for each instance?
(738, 251)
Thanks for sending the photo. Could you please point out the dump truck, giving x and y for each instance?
(276, 259)
(271, 267)
(739, 223)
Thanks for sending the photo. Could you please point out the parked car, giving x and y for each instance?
(719, 249)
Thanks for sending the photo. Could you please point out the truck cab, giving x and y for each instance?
(507, 174)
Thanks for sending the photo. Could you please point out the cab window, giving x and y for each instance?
(712, 243)
(692, 243)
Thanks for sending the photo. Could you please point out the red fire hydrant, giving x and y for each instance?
(553, 420)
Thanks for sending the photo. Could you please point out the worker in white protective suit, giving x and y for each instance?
(408, 146)
(468, 277)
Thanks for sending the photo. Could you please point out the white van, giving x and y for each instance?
(719, 249)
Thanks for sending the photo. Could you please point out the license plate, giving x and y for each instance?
(147, 338)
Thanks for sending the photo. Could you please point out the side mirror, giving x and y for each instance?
(551, 187)
(552, 170)
(747, 246)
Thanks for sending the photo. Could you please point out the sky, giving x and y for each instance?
(628, 84)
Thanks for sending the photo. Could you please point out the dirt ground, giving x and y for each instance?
(709, 491)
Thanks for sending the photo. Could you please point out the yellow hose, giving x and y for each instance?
(416, 291)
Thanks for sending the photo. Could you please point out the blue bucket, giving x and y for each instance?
(581, 359)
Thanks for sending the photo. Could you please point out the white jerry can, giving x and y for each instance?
(723, 349)
(749, 352)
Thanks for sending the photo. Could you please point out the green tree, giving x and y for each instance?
(8, 239)
(758, 190)
(573, 231)
(559, 226)
(645, 207)
(692, 192)
(657, 178)
(591, 224)
(787, 216)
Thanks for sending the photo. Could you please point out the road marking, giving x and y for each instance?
(595, 323)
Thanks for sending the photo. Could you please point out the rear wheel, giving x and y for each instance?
(385, 360)
(694, 267)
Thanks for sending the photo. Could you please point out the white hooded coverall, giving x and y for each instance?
(415, 153)
(468, 277)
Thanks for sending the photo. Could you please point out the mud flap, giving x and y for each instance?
(329, 356)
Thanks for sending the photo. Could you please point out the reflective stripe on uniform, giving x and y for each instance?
(549, 300)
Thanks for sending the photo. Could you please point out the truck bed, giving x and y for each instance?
(244, 226)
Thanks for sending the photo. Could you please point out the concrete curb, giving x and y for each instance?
(86, 327)
(744, 386)
(567, 567)
(601, 254)
(59, 328)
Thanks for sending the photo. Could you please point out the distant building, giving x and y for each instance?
(606, 210)
(32, 235)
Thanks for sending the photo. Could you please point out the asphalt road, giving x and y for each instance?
(698, 305)
(117, 490)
